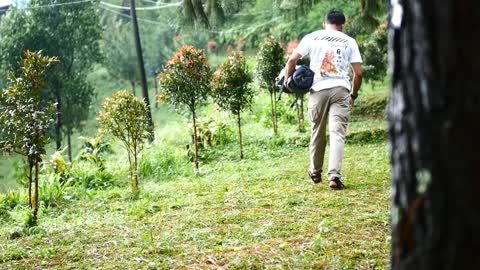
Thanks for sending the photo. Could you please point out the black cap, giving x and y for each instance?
(335, 16)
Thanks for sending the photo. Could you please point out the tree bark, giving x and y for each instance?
(434, 124)
(240, 135)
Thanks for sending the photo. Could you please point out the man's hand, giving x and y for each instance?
(286, 87)
(352, 99)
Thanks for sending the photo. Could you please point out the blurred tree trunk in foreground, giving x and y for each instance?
(434, 117)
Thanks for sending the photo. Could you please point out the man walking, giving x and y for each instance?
(332, 95)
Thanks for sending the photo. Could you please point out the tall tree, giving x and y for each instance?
(72, 33)
(141, 68)
(25, 118)
(434, 125)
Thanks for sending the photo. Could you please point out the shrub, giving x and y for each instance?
(125, 118)
(94, 150)
(88, 177)
(231, 90)
(186, 80)
(270, 61)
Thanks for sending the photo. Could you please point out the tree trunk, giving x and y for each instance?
(155, 80)
(434, 124)
(135, 170)
(36, 202)
(30, 170)
(132, 83)
(240, 135)
(69, 141)
(195, 139)
(58, 122)
(130, 168)
(215, 11)
(274, 112)
(141, 68)
(301, 118)
(188, 13)
(200, 13)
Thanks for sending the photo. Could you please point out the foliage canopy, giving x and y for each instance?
(230, 84)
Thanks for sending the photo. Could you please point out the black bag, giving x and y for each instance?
(300, 82)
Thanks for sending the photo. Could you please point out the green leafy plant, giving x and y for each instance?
(231, 89)
(213, 130)
(125, 118)
(186, 80)
(374, 50)
(270, 61)
(26, 119)
(57, 165)
(94, 150)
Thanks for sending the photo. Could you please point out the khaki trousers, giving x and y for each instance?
(332, 104)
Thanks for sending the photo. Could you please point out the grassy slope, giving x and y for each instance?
(258, 213)
(261, 212)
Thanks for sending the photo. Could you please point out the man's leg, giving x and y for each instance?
(338, 121)
(318, 115)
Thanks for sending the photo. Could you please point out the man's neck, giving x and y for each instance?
(334, 27)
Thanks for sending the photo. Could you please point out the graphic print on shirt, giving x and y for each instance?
(332, 60)
(328, 65)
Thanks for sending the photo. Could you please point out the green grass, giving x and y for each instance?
(261, 213)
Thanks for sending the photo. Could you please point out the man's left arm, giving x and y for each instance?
(357, 79)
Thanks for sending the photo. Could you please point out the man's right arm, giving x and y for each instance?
(290, 67)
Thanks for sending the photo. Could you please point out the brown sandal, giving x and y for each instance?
(315, 178)
(336, 184)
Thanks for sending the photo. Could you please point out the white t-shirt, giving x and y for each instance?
(330, 52)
